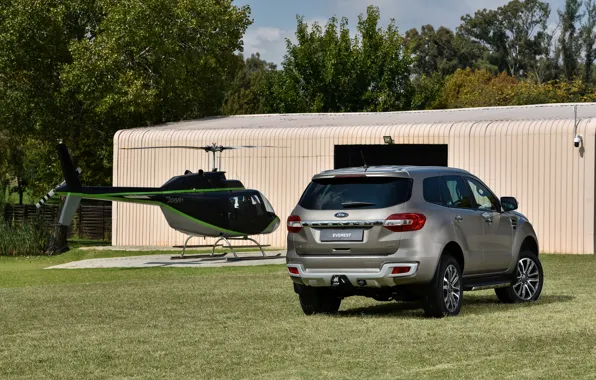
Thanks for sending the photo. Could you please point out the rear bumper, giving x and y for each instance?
(360, 278)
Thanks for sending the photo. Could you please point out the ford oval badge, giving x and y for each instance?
(342, 215)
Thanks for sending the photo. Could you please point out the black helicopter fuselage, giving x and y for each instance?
(199, 204)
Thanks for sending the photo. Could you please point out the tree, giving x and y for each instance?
(478, 88)
(514, 34)
(79, 70)
(328, 71)
(248, 93)
(427, 92)
(547, 67)
(4, 167)
(568, 40)
(588, 39)
(434, 51)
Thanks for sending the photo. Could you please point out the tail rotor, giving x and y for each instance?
(52, 192)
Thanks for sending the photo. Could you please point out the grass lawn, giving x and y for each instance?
(246, 323)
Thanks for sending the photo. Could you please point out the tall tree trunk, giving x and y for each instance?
(588, 68)
(20, 191)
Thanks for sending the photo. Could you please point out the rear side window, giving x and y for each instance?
(431, 187)
(356, 192)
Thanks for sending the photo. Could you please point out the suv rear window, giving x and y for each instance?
(356, 193)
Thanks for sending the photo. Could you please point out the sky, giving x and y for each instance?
(275, 20)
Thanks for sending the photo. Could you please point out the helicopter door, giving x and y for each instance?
(247, 213)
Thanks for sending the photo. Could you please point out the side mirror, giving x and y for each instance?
(509, 203)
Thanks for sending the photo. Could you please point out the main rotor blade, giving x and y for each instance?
(208, 148)
(251, 146)
(170, 147)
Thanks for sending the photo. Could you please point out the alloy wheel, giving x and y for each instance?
(451, 288)
(528, 279)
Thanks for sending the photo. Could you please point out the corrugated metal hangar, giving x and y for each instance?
(527, 152)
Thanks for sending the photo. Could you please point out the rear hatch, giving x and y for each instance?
(345, 215)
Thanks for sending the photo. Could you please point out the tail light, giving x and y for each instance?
(401, 270)
(294, 224)
(404, 222)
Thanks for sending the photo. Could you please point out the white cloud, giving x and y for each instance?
(319, 20)
(269, 42)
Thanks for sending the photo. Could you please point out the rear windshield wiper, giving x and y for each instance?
(357, 204)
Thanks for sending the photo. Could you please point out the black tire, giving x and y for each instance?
(318, 301)
(442, 302)
(526, 285)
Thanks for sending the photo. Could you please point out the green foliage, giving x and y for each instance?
(249, 90)
(328, 71)
(30, 239)
(436, 51)
(479, 88)
(79, 70)
(513, 36)
(428, 92)
(568, 39)
(588, 38)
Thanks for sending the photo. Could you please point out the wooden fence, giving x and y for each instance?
(91, 221)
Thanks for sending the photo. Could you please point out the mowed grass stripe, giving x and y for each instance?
(246, 323)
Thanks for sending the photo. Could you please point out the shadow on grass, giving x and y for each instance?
(471, 306)
(394, 309)
(79, 243)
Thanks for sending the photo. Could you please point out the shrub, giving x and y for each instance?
(30, 239)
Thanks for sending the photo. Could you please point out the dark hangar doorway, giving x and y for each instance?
(347, 156)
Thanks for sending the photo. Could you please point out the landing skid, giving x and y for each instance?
(213, 255)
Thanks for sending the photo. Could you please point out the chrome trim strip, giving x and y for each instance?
(342, 223)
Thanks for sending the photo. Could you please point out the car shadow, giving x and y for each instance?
(394, 309)
(473, 305)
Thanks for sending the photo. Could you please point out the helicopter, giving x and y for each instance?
(202, 204)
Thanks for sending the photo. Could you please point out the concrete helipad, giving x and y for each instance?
(165, 260)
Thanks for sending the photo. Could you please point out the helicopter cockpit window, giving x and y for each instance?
(246, 205)
(268, 206)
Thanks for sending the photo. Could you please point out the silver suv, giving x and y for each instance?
(408, 234)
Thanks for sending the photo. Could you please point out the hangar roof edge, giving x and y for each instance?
(463, 115)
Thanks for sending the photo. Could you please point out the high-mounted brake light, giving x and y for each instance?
(294, 224)
(351, 176)
(405, 222)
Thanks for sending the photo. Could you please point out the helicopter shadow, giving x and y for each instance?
(177, 262)
(470, 306)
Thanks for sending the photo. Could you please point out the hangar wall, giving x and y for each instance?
(530, 158)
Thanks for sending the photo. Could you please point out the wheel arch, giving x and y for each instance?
(529, 244)
(458, 254)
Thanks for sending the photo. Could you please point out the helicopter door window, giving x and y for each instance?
(268, 206)
(258, 205)
(234, 208)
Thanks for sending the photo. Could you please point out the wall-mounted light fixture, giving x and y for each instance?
(388, 140)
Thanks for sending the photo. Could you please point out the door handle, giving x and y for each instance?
(459, 219)
(488, 218)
